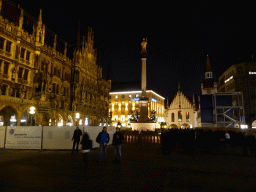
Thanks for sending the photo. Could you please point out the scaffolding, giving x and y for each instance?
(230, 115)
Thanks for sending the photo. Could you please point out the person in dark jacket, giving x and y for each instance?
(117, 142)
(86, 147)
(103, 139)
(76, 138)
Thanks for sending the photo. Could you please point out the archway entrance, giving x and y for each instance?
(60, 120)
(8, 117)
(184, 126)
(46, 121)
(173, 126)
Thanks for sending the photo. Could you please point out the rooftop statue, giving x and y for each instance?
(143, 46)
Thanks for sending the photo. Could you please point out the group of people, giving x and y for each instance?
(103, 140)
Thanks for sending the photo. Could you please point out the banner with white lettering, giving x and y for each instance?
(23, 137)
(2, 136)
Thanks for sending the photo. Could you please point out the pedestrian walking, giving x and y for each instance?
(76, 137)
(227, 139)
(117, 142)
(86, 147)
(103, 139)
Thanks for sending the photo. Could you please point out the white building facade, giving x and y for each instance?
(181, 113)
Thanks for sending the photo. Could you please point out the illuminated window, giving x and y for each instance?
(122, 118)
(116, 96)
(137, 95)
(187, 117)
(130, 96)
(115, 117)
(115, 103)
(179, 116)
(122, 102)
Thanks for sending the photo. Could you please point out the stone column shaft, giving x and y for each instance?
(143, 77)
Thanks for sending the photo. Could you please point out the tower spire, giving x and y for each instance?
(208, 67)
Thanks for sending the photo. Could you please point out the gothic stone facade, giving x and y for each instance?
(32, 73)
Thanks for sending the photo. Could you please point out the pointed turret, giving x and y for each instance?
(39, 31)
(20, 19)
(65, 50)
(194, 102)
(77, 53)
(54, 44)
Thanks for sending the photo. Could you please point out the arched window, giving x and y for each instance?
(187, 116)
(179, 116)
(173, 117)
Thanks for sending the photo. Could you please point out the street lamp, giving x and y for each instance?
(77, 117)
(32, 111)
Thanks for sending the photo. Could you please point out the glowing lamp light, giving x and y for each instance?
(32, 110)
(77, 115)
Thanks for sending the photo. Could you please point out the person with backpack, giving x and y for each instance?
(103, 139)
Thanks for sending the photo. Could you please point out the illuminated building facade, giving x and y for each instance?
(181, 113)
(241, 77)
(35, 73)
(121, 104)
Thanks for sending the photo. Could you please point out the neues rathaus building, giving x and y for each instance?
(39, 84)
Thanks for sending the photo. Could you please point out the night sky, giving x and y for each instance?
(179, 34)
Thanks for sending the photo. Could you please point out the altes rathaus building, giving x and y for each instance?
(39, 84)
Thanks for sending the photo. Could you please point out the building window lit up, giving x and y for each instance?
(122, 118)
(86, 123)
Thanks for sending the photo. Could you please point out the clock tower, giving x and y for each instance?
(208, 86)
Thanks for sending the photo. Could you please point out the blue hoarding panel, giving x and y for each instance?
(205, 101)
(206, 115)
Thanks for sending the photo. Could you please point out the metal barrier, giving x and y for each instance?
(141, 138)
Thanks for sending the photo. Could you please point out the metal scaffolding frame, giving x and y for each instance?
(222, 110)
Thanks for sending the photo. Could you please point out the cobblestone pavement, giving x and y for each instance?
(143, 168)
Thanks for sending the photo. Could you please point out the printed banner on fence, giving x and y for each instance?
(2, 136)
(23, 137)
(55, 137)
